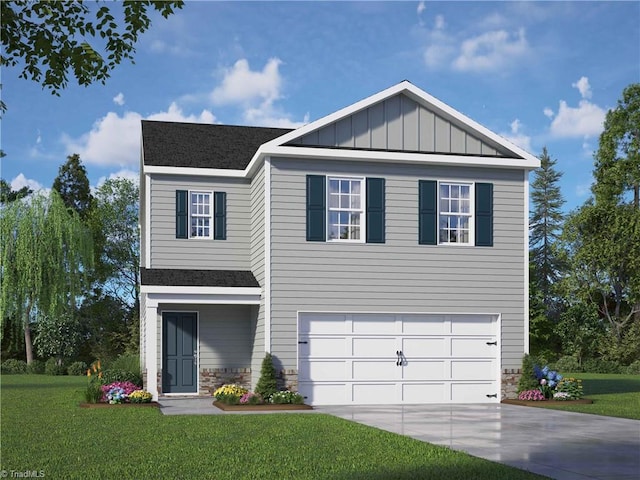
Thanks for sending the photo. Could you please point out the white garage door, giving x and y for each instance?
(385, 359)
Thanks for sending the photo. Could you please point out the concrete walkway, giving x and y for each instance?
(561, 445)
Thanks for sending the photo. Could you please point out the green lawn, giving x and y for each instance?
(612, 395)
(43, 429)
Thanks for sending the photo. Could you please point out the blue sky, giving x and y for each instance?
(541, 73)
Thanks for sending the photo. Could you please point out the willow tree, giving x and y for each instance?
(44, 253)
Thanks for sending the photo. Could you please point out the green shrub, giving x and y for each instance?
(36, 367)
(568, 363)
(77, 369)
(112, 375)
(634, 368)
(130, 363)
(53, 367)
(528, 379)
(230, 394)
(267, 385)
(598, 365)
(569, 389)
(286, 397)
(13, 366)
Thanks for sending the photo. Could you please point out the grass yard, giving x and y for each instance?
(612, 395)
(44, 430)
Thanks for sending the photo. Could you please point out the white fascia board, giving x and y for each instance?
(155, 299)
(399, 157)
(200, 172)
(187, 290)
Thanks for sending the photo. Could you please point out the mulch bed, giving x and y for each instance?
(258, 408)
(118, 405)
(531, 403)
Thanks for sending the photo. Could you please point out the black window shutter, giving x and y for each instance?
(316, 208)
(375, 210)
(219, 216)
(484, 214)
(427, 212)
(182, 214)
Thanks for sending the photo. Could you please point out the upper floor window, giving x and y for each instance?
(455, 213)
(345, 212)
(201, 214)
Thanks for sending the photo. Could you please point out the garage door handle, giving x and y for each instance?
(492, 343)
(399, 361)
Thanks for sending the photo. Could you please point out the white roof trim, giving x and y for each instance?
(201, 172)
(419, 96)
(186, 290)
(399, 157)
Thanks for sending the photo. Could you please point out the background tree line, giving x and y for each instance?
(585, 265)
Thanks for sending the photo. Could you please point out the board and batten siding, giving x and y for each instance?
(224, 334)
(257, 207)
(400, 123)
(399, 275)
(167, 251)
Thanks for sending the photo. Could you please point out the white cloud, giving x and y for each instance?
(241, 85)
(421, 8)
(441, 45)
(119, 99)
(583, 87)
(123, 173)
(115, 139)
(517, 137)
(269, 117)
(439, 24)
(21, 181)
(491, 50)
(583, 189)
(585, 120)
(548, 112)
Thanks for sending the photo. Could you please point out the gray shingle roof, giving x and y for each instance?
(197, 278)
(174, 144)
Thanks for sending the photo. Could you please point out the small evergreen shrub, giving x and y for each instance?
(528, 380)
(267, 385)
(36, 367)
(52, 367)
(112, 375)
(77, 369)
(13, 367)
(634, 368)
(568, 364)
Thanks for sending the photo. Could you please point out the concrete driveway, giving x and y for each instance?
(561, 445)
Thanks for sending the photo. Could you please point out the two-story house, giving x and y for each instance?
(379, 253)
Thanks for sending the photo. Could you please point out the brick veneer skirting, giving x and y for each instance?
(212, 378)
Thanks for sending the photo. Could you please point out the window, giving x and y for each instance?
(345, 212)
(454, 213)
(200, 214)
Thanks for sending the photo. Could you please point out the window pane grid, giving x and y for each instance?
(200, 214)
(345, 208)
(455, 213)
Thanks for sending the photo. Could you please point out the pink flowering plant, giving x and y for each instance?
(118, 392)
(532, 395)
(251, 398)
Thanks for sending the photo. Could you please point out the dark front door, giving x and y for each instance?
(179, 353)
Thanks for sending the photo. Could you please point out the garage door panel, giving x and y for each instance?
(472, 347)
(425, 347)
(325, 347)
(373, 324)
(374, 393)
(472, 325)
(325, 393)
(372, 370)
(473, 369)
(323, 370)
(333, 323)
(425, 393)
(424, 324)
(374, 347)
(472, 392)
(425, 370)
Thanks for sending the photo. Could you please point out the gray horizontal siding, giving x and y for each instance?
(169, 252)
(400, 123)
(400, 275)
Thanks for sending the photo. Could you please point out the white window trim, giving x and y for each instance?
(472, 213)
(211, 195)
(363, 208)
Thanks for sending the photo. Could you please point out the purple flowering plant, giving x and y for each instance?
(118, 392)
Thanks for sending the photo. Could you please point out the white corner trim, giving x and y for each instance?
(151, 347)
(267, 255)
(147, 220)
(200, 172)
(397, 157)
(526, 261)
